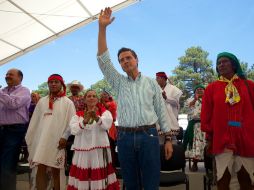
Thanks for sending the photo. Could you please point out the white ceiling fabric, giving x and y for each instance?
(28, 24)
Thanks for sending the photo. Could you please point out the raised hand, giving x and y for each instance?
(105, 17)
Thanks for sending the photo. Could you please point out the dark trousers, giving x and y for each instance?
(69, 153)
(113, 151)
(11, 137)
(139, 156)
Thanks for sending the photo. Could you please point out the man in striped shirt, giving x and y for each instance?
(14, 117)
(140, 106)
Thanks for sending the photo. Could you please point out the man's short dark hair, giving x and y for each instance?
(20, 74)
(123, 49)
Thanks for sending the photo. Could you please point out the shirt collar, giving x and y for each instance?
(12, 88)
(137, 79)
(15, 87)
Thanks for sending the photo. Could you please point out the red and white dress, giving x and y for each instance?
(92, 163)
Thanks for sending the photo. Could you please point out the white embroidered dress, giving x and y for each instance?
(92, 163)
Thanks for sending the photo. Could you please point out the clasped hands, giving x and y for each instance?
(90, 117)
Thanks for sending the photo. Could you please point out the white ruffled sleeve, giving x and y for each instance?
(76, 125)
(105, 120)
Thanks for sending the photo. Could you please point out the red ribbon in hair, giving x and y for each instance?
(161, 74)
(52, 97)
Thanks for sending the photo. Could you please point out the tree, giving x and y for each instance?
(103, 85)
(98, 87)
(43, 90)
(249, 71)
(194, 68)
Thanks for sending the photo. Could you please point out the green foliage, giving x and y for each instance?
(103, 85)
(194, 68)
(42, 89)
(98, 87)
(249, 71)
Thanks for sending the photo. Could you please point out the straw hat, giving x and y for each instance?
(76, 83)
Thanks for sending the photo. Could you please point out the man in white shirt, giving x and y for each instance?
(48, 132)
(170, 93)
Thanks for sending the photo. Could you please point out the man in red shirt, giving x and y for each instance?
(227, 118)
(76, 88)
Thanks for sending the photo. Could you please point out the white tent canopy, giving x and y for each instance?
(28, 24)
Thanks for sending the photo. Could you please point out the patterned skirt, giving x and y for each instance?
(198, 146)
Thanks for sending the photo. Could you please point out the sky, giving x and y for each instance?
(159, 31)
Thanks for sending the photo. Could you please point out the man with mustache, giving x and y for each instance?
(14, 116)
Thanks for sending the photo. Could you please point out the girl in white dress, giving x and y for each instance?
(92, 163)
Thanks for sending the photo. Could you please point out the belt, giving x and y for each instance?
(14, 125)
(136, 129)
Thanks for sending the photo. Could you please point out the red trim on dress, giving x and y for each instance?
(97, 147)
(89, 174)
(112, 186)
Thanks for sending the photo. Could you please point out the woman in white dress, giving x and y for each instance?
(194, 139)
(92, 163)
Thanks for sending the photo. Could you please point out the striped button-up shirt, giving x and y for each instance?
(139, 101)
(14, 105)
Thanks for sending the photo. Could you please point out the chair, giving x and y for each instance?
(179, 137)
(208, 179)
(23, 165)
(173, 170)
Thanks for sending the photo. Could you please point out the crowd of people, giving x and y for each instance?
(76, 136)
